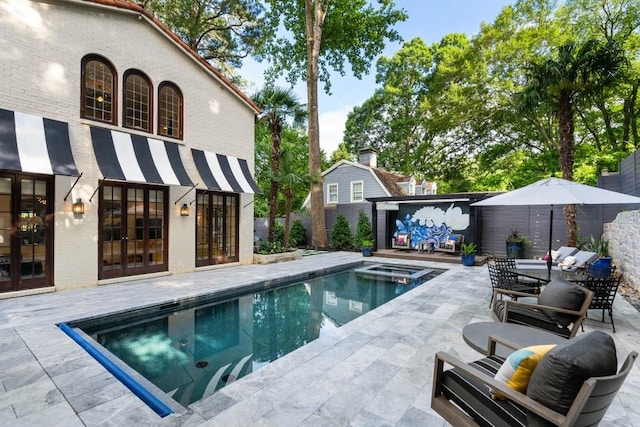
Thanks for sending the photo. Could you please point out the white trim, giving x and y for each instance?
(352, 183)
(329, 202)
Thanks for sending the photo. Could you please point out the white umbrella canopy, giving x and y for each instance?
(557, 191)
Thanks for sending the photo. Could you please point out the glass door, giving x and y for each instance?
(216, 228)
(134, 230)
(25, 232)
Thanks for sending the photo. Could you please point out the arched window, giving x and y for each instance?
(169, 110)
(137, 101)
(99, 85)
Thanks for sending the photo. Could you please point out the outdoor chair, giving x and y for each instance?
(561, 307)
(511, 264)
(566, 387)
(505, 278)
(452, 244)
(604, 292)
(402, 241)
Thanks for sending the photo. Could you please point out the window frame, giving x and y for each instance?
(83, 88)
(163, 85)
(353, 183)
(150, 102)
(329, 186)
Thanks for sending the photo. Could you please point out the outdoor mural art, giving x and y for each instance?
(432, 224)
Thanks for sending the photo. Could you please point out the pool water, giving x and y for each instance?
(191, 353)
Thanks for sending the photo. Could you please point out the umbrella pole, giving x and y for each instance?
(549, 258)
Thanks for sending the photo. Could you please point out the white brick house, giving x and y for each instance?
(151, 127)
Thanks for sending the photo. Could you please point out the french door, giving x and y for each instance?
(134, 230)
(26, 231)
(217, 219)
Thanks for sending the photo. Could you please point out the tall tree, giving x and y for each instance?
(278, 106)
(223, 32)
(572, 75)
(323, 35)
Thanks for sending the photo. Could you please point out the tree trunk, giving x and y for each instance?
(565, 136)
(288, 194)
(315, 14)
(276, 132)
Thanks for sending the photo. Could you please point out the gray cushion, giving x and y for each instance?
(559, 375)
(562, 294)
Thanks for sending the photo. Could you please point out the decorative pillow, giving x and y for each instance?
(518, 367)
(401, 240)
(561, 294)
(568, 261)
(555, 255)
(558, 377)
(453, 238)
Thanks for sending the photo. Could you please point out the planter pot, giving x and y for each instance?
(515, 250)
(468, 259)
(367, 252)
(601, 267)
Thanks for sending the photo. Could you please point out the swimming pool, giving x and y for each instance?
(189, 349)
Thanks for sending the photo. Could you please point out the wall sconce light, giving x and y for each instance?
(78, 207)
(184, 210)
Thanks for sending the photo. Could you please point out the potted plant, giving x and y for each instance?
(602, 266)
(468, 251)
(516, 243)
(366, 245)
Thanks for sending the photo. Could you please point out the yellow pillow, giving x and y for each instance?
(518, 367)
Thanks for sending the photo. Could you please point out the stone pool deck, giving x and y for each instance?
(374, 371)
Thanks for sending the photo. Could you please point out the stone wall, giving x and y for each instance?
(622, 234)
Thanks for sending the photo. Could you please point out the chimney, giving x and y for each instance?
(368, 157)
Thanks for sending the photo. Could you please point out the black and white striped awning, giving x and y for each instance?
(224, 173)
(135, 158)
(34, 144)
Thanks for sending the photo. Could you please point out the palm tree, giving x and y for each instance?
(574, 74)
(278, 106)
(290, 178)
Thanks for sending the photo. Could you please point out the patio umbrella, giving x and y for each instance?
(557, 191)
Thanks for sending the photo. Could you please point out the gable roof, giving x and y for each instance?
(150, 17)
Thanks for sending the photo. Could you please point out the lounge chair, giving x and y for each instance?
(561, 307)
(561, 254)
(566, 387)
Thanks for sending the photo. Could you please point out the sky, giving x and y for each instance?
(429, 19)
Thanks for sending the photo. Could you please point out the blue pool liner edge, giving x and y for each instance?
(152, 401)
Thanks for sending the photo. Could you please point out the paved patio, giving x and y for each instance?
(374, 371)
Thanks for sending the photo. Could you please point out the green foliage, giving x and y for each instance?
(341, 238)
(364, 231)
(268, 248)
(598, 245)
(298, 234)
(223, 32)
(450, 112)
(279, 232)
(468, 248)
(516, 237)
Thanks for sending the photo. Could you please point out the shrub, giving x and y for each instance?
(364, 232)
(278, 232)
(341, 238)
(298, 234)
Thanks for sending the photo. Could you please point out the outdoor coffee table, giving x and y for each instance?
(476, 335)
